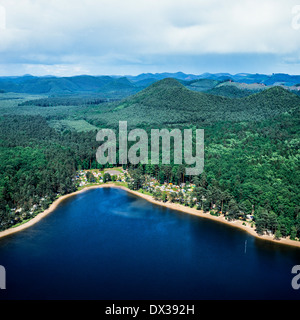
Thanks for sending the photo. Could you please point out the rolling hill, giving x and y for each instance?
(104, 85)
(168, 102)
(237, 86)
(251, 142)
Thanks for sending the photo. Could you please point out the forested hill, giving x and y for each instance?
(103, 85)
(169, 102)
(109, 86)
(251, 144)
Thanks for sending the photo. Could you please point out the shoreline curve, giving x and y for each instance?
(175, 206)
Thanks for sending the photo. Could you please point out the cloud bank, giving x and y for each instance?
(66, 37)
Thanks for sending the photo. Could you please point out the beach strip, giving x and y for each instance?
(175, 206)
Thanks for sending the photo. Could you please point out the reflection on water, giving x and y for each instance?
(109, 244)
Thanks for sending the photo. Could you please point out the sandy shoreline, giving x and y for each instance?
(175, 206)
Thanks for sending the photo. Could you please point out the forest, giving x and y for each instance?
(250, 168)
(168, 102)
(251, 149)
(37, 163)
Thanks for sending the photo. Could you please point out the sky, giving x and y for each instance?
(118, 37)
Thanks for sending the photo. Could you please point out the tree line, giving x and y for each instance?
(250, 167)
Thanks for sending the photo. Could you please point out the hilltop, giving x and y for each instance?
(169, 102)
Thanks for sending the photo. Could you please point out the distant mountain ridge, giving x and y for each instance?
(248, 78)
(109, 86)
(128, 85)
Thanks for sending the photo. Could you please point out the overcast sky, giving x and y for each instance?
(97, 37)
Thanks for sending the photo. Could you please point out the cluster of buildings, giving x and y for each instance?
(20, 213)
(183, 190)
(81, 176)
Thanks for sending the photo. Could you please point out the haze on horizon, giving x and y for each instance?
(97, 37)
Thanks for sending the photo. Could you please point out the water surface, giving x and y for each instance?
(109, 244)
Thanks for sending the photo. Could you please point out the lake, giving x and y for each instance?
(109, 244)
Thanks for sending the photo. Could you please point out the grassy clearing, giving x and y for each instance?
(78, 125)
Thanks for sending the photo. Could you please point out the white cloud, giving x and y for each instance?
(68, 31)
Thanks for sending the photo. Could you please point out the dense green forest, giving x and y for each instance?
(250, 168)
(37, 163)
(231, 92)
(78, 100)
(251, 149)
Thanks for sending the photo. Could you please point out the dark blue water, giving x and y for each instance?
(108, 244)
